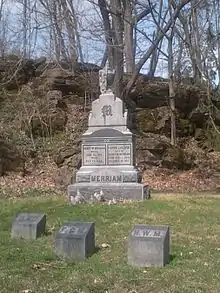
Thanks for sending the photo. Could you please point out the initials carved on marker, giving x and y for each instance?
(147, 233)
(31, 218)
(72, 230)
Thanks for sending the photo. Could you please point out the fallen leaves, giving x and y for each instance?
(42, 177)
(162, 179)
(43, 266)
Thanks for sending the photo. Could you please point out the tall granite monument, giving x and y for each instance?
(108, 155)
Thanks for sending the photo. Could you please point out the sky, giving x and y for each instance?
(93, 45)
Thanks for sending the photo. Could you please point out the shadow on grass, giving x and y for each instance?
(172, 258)
(48, 233)
(97, 249)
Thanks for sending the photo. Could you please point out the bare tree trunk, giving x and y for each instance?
(54, 13)
(177, 69)
(171, 81)
(217, 5)
(25, 29)
(128, 36)
(108, 31)
(189, 41)
(58, 22)
(150, 50)
(104, 58)
(154, 59)
(1, 9)
(3, 45)
(197, 64)
(75, 22)
(70, 33)
(118, 29)
(155, 54)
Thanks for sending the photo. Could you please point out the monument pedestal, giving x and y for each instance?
(118, 191)
(108, 156)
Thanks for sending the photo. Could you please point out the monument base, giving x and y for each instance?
(118, 191)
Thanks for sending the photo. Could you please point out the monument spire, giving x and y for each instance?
(106, 79)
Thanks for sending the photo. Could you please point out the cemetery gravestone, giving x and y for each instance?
(75, 241)
(28, 225)
(108, 156)
(148, 246)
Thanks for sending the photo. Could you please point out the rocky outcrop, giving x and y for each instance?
(48, 91)
(154, 120)
(10, 158)
(15, 72)
(155, 150)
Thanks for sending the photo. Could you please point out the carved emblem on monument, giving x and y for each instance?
(107, 110)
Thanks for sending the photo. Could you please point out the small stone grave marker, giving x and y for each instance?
(148, 246)
(75, 241)
(28, 225)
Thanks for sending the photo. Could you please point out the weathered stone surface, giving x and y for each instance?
(148, 246)
(64, 154)
(67, 80)
(118, 191)
(147, 193)
(154, 120)
(108, 175)
(63, 178)
(75, 241)
(107, 112)
(154, 143)
(10, 158)
(174, 158)
(28, 225)
(154, 93)
(146, 159)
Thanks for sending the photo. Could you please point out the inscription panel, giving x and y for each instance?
(73, 230)
(119, 154)
(106, 178)
(28, 217)
(94, 155)
(147, 233)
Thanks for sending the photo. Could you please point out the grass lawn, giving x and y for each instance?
(31, 267)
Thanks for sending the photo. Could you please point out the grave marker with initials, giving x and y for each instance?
(28, 225)
(148, 246)
(75, 241)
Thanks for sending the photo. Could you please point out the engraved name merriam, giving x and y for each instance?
(110, 178)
